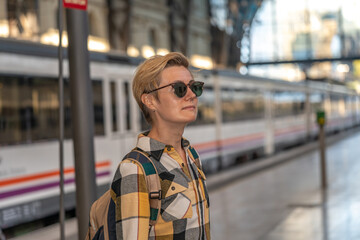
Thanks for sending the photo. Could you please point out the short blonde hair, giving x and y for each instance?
(147, 76)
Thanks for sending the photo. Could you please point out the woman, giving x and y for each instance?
(167, 94)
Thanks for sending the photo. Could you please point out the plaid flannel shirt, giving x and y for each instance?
(184, 212)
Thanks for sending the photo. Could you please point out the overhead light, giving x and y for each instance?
(201, 62)
(4, 28)
(162, 51)
(147, 51)
(243, 70)
(51, 37)
(132, 51)
(343, 68)
(98, 44)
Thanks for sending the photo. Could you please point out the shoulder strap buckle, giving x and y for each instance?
(155, 195)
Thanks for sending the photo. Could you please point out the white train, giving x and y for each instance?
(239, 117)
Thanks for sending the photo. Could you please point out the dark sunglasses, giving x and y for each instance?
(180, 88)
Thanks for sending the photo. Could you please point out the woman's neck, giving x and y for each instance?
(170, 135)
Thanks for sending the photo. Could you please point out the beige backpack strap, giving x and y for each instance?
(97, 217)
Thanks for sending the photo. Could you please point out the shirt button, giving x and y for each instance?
(169, 148)
(183, 164)
(173, 188)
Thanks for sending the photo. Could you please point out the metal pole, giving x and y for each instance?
(218, 119)
(82, 116)
(172, 25)
(61, 127)
(342, 34)
(188, 7)
(322, 157)
(325, 215)
(274, 28)
(308, 24)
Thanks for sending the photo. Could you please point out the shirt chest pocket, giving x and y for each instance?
(175, 204)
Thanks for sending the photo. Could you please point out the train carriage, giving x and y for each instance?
(240, 117)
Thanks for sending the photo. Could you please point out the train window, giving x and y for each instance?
(27, 113)
(338, 105)
(288, 103)
(97, 104)
(127, 105)
(206, 107)
(351, 105)
(316, 101)
(113, 107)
(241, 104)
(29, 109)
(98, 107)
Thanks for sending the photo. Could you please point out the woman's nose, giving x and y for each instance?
(189, 93)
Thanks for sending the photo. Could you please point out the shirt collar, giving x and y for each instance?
(154, 147)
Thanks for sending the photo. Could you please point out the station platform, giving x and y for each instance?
(286, 202)
(280, 197)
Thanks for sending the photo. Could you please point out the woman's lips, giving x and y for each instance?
(189, 108)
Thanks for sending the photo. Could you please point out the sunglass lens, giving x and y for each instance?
(180, 89)
(197, 88)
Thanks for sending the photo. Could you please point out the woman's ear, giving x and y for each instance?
(148, 101)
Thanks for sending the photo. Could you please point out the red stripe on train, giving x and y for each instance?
(46, 174)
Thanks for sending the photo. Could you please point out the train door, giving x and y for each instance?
(121, 124)
(269, 145)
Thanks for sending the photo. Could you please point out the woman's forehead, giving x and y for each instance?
(175, 73)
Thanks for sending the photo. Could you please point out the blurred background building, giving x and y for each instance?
(294, 41)
(125, 27)
(317, 40)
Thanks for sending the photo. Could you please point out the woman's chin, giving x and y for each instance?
(191, 119)
(185, 118)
